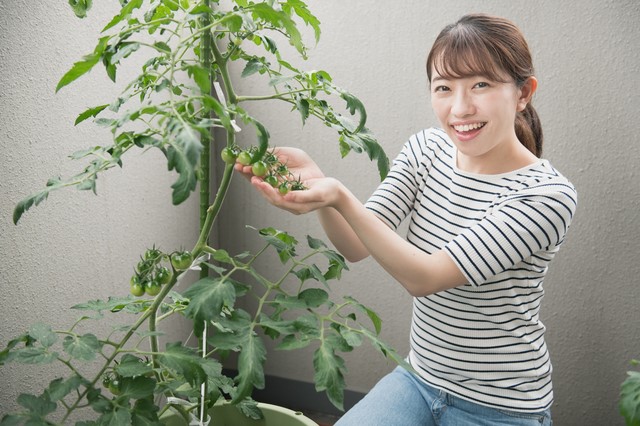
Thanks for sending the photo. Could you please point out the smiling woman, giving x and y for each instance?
(486, 217)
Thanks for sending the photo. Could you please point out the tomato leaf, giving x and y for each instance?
(183, 361)
(82, 67)
(131, 366)
(630, 398)
(183, 155)
(124, 13)
(329, 373)
(91, 112)
(207, 298)
(38, 406)
(251, 360)
(82, 347)
(43, 334)
(59, 388)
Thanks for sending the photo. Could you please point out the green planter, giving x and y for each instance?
(228, 415)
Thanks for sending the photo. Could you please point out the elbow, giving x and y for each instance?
(355, 257)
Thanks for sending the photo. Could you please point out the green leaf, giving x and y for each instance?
(124, 13)
(137, 387)
(37, 355)
(80, 7)
(284, 243)
(300, 9)
(43, 334)
(375, 319)
(11, 420)
(314, 297)
(145, 413)
(253, 66)
(112, 304)
(59, 388)
(119, 416)
(183, 361)
(82, 347)
(123, 51)
(91, 112)
(207, 297)
(201, 77)
(354, 105)
(630, 398)
(162, 46)
(279, 19)
(329, 374)
(38, 406)
(251, 360)
(183, 155)
(132, 366)
(82, 67)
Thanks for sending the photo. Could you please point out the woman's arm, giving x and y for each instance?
(420, 273)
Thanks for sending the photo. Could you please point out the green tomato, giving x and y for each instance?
(136, 288)
(181, 260)
(272, 180)
(283, 188)
(229, 155)
(152, 288)
(115, 386)
(259, 168)
(163, 275)
(244, 158)
(152, 254)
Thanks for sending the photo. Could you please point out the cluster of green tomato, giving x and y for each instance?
(268, 167)
(151, 273)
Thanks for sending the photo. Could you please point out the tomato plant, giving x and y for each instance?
(182, 94)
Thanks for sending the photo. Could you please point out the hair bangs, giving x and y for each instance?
(463, 54)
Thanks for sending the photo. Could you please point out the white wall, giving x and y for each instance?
(77, 246)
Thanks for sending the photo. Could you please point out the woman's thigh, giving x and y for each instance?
(397, 399)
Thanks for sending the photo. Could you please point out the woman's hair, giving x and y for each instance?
(493, 47)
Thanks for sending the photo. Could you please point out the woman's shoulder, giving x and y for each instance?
(542, 181)
(429, 143)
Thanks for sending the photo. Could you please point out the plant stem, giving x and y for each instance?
(205, 157)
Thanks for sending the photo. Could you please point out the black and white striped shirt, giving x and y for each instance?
(483, 341)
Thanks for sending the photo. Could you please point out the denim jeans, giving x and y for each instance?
(401, 399)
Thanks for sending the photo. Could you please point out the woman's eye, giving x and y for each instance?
(482, 84)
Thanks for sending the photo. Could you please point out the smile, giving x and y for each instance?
(468, 127)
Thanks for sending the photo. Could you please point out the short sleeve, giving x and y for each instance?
(532, 221)
(394, 198)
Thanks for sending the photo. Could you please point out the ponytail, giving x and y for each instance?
(529, 130)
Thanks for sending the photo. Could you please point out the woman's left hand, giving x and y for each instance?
(321, 192)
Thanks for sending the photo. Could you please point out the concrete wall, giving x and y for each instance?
(78, 247)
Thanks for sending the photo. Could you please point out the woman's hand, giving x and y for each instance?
(321, 191)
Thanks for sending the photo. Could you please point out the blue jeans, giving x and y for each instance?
(401, 399)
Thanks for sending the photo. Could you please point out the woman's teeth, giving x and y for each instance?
(468, 127)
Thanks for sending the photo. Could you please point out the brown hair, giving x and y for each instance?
(493, 47)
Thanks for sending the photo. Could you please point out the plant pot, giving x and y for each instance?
(228, 415)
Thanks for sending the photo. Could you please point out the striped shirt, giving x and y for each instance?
(482, 341)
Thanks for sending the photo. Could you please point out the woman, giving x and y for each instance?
(487, 216)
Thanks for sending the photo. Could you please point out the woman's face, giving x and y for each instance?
(478, 114)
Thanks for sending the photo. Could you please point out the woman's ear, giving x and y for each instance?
(526, 92)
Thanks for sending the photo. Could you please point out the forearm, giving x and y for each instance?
(420, 273)
(341, 235)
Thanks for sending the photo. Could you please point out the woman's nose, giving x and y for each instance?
(463, 105)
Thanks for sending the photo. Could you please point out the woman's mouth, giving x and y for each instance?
(468, 131)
